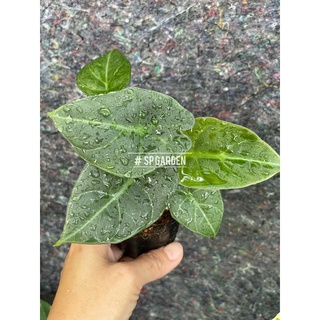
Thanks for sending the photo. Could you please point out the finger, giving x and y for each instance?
(155, 264)
(117, 253)
(106, 252)
(125, 259)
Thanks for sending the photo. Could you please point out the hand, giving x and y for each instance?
(97, 283)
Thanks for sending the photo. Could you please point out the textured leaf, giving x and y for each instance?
(104, 208)
(198, 210)
(110, 131)
(44, 309)
(225, 156)
(109, 72)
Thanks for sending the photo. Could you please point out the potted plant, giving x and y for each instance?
(149, 161)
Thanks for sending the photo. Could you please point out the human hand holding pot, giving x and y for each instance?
(98, 283)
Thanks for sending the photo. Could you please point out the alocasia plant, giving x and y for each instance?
(121, 131)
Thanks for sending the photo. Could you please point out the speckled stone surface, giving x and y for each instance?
(217, 59)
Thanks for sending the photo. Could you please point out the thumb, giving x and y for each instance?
(157, 263)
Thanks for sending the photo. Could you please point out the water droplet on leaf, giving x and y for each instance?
(94, 173)
(95, 122)
(79, 109)
(143, 114)
(154, 120)
(67, 108)
(104, 112)
(124, 161)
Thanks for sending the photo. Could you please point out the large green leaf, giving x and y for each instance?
(104, 208)
(198, 210)
(109, 72)
(110, 131)
(44, 309)
(225, 156)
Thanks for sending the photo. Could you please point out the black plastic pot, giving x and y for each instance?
(159, 234)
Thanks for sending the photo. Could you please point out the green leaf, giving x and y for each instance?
(225, 156)
(110, 131)
(44, 309)
(198, 210)
(104, 208)
(109, 72)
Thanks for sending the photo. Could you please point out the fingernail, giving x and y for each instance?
(173, 250)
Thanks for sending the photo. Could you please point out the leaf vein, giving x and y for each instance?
(114, 198)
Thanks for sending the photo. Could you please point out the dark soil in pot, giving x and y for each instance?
(159, 234)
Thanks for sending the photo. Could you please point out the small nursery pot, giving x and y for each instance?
(159, 234)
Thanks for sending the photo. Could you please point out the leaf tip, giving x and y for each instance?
(50, 114)
(58, 243)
